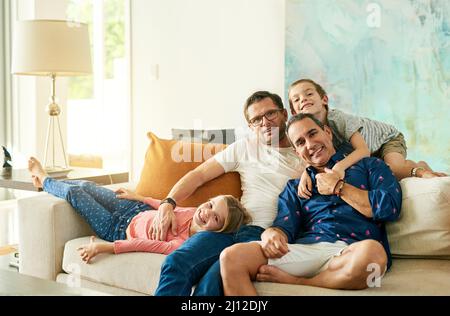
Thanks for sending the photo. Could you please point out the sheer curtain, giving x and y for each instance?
(5, 74)
(8, 232)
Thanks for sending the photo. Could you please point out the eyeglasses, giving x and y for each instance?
(269, 115)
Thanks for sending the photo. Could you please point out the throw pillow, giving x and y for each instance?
(423, 229)
(167, 161)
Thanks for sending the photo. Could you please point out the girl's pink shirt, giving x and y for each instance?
(137, 231)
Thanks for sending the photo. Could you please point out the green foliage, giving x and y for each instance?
(81, 88)
(114, 34)
(114, 40)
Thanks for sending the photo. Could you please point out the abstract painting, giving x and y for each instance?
(386, 60)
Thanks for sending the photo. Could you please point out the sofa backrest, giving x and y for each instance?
(423, 229)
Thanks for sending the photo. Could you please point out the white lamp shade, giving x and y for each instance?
(50, 47)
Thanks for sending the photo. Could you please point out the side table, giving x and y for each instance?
(20, 179)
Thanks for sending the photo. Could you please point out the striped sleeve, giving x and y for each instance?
(375, 133)
(346, 124)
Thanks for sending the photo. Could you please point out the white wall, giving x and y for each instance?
(211, 55)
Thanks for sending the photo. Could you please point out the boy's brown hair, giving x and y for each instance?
(318, 87)
(237, 215)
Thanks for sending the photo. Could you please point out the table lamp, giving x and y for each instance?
(51, 48)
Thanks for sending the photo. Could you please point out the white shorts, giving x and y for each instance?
(308, 260)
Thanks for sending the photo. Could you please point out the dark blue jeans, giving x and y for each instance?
(197, 262)
(107, 215)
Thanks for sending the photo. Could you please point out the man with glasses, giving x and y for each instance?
(265, 162)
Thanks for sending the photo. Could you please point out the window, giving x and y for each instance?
(98, 106)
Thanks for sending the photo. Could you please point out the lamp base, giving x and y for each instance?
(50, 144)
(57, 172)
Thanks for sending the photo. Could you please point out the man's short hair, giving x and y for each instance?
(299, 117)
(260, 95)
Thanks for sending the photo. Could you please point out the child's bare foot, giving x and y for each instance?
(36, 182)
(38, 173)
(430, 174)
(423, 164)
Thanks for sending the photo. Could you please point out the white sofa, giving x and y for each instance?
(50, 232)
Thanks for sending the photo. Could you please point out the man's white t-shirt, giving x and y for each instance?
(264, 172)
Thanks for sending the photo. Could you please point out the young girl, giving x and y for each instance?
(367, 137)
(123, 217)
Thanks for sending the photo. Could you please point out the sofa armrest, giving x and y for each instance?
(46, 223)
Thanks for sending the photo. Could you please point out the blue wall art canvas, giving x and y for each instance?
(386, 60)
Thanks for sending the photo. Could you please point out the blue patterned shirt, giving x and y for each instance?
(328, 218)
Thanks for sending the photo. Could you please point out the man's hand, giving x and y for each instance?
(274, 243)
(128, 195)
(326, 182)
(305, 186)
(162, 222)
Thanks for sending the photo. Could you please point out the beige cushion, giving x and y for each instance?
(423, 229)
(167, 161)
(406, 277)
(135, 271)
(139, 272)
(103, 288)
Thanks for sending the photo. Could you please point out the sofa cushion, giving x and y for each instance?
(406, 277)
(139, 272)
(68, 279)
(167, 161)
(423, 229)
(136, 271)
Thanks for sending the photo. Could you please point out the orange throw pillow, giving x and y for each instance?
(167, 161)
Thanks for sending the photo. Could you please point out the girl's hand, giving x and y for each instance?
(305, 186)
(164, 219)
(89, 251)
(128, 195)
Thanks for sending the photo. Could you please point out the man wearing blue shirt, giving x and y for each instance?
(336, 239)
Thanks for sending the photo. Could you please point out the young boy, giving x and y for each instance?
(367, 137)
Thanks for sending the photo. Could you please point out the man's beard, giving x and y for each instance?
(277, 135)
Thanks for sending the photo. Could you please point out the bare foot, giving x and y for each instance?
(432, 174)
(37, 172)
(36, 182)
(268, 273)
(423, 164)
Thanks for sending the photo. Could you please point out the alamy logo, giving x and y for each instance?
(374, 17)
(374, 278)
(74, 279)
(186, 152)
